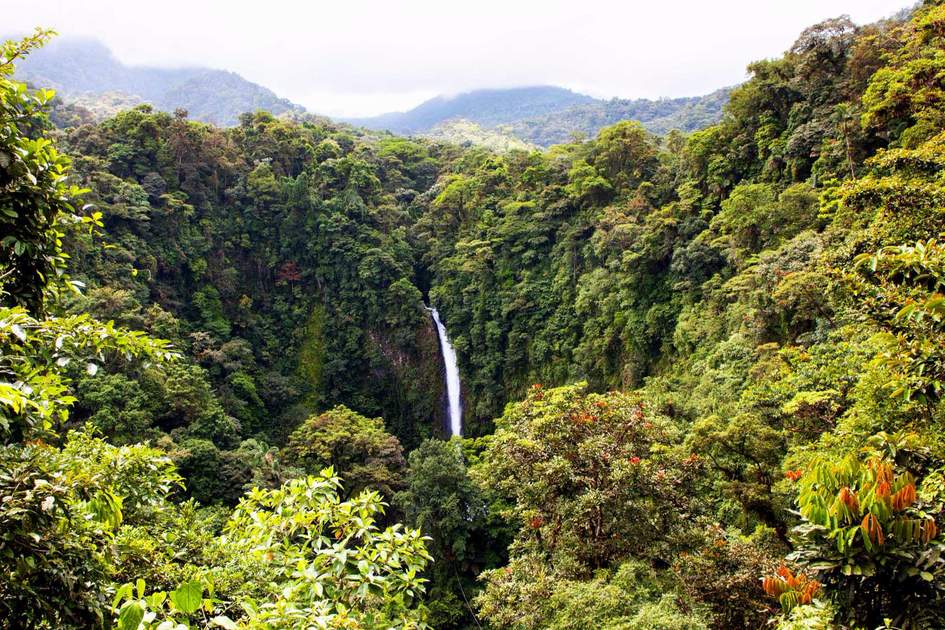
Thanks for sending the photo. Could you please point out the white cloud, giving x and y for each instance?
(358, 57)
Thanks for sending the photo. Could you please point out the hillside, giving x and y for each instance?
(462, 132)
(85, 71)
(548, 115)
(657, 116)
(486, 108)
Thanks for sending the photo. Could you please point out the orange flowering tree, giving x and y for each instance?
(869, 535)
(590, 481)
(594, 477)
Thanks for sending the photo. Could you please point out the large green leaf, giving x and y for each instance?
(130, 616)
(187, 597)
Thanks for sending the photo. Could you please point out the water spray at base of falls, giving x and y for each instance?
(454, 400)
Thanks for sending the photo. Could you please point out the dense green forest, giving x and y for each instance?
(702, 373)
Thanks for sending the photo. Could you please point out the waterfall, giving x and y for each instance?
(452, 376)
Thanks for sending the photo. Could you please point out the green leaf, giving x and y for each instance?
(187, 597)
(130, 616)
(122, 592)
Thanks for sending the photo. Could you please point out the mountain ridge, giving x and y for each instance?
(87, 74)
(544, 115)
(78, 68)
(486, 107)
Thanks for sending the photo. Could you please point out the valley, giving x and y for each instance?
(617, 364)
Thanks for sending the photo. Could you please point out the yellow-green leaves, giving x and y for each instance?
(907, 299)
(328, 557)
(174, 610)
(34, 390)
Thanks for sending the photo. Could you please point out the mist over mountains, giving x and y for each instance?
(85, 73)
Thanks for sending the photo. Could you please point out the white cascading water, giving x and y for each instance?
(452, 376)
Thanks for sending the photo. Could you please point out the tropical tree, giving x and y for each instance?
(591, 477)
(357, 447)
(36, 203)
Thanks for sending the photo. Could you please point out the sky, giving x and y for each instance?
(364, 57)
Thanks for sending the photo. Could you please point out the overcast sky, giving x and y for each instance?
(363, 57)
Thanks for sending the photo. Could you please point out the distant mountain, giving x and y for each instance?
(87, 76)
(486, 108)
(85, 70)
(545, 115)
(658, 116)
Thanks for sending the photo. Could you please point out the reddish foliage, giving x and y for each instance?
(288, 272)
(794, 475)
